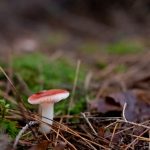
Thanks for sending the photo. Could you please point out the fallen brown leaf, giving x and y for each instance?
(138, 104)
(41, 146)
(101, 105)
(60, 146)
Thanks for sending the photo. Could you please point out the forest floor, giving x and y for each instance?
(109, 82)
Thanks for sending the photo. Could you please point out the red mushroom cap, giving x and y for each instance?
(52, 96)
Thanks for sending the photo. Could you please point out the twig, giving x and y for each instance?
(65, 140)
(14, 117)
(89, 146)
(69, 130)
(89, 142)
(135, 139)
(88, 122)
(10, 73)
(74, 86)
(133, 123)
(141, 138)
(111, 124)
(87, 133)
(123, 112)
(113, 134)
(58, 132)
(126, 128)
(7, 97)
(19, 100)
(22, 131)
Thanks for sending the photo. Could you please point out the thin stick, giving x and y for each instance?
(84, 139)
(74, 86)
(69, 130)
(2, 70)
(128, 128)
(66, 141)
(22, 131)
(10, 71)
(19, 99)
(123, 112)
(141, 138)
(111, 124)
(135, 139)
(113, 133)
(7, 97)
(21, 105)
(136, 124)
(88, 122)
(58, 132)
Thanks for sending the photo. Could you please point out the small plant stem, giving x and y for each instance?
(74, 86)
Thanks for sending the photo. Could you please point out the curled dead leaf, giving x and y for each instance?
(138, 104)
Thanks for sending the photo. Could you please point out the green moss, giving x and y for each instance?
(3, 107)
(90, 47)
(124, 47)
(37, 71)
(9, 127)
(101, 65)
(40, 73)
(80, 106)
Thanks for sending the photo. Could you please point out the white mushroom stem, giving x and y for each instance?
(47, 113)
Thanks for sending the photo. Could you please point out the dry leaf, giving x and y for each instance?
(138, 104)
(102, 106)
(41, 146)
(60, 145)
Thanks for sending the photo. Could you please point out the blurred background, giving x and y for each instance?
(73, 26)
(48, 37)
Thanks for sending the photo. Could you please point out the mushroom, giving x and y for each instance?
(46, 99)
